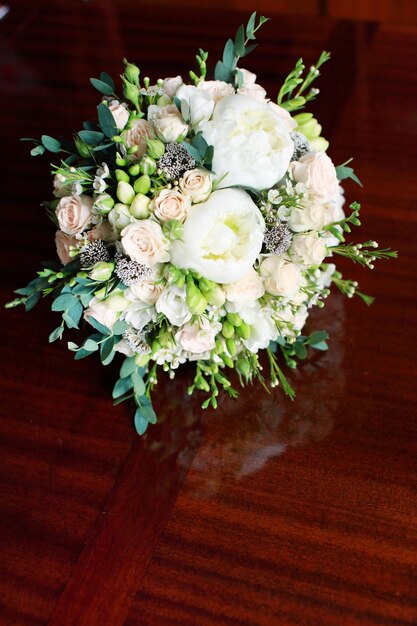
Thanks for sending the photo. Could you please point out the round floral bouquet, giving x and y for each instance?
(197, 222)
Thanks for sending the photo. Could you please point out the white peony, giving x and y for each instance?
(222, 237)
(196, 105)
(172, 303)
(252, 144)
(281, 277)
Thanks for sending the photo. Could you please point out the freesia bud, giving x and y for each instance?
(148, 165)
(142, 184)
(195, 300)
(120, 217)
(102, 271)
(132, 72)
(212, 292)
(156, 148)
(116, 301)
(121, 175)
(104, 203)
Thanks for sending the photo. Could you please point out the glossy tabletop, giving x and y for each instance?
(265, 512)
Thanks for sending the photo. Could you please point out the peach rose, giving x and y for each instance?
(281, 277)
(102, 312)
(170, 204)
(137, 136)
(168, 122)
(120, 114)
(63, 243)
(103, 231)
(317, 172)
(248, 288)
(144, 242)
(308, 250)
(196, 184)
(74, 213)
(217, 88)
(253, 90)
(147, 290)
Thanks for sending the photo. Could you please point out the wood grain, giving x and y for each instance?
(265, 512)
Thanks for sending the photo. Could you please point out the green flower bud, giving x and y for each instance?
(131, 92)
(164, 100)
(143, 183)
(140, 206)
(125, 192)
(132, 72)
(212, 292)
(156, 148)
(155, 346)
(119, 216)
(173, 229)
(102, 271)
(243, 367)
(301, 118)
(104, 203)
(234, 318)
(121, 175)
(116, 301)
(120, 161)
(231, 346)
(227, 330)
(134, 170)
(148, 165)
(320, 144)
(243, 330)
(142, 360)
(227, 360)
(196, 302)
(82, 148)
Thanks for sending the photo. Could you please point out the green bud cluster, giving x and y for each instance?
(309, 126)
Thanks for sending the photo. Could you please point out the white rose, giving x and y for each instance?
(252, 144)
(144, 242)
(196, 184)
(307, 250)
(120, 114)
(120, 216)
(138, 314)
(102, 312)
(74, 213)
(170, 204)
(281, 277)
(222, 237)
(146, 289)
(317, 172)
(168, 122)
(311, 215)
(199, 337)
(218, 89)
(63, 243)
(137, 136)
(196, 105)
(172, 303)
(253, 91)
(171, 84)
(250, 287)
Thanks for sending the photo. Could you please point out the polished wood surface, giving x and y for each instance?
(265, 512)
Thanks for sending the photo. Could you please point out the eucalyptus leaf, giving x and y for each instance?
(141, 424)
(102, 86)
(51, 144)
(106, 120)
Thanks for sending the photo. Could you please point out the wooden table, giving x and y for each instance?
(265, 512)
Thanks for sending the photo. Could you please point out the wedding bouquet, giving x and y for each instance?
(198, 222)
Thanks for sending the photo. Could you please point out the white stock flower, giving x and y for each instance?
(222, 237)
(281, 277)
(172, 303)
(308, 250)
(252, 144)
(74, 213)
(144, 242)
(168, 122)
(248, 288)
(199, 337)
(196, 184)
(196, 105)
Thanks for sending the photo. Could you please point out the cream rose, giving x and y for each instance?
(120, 114)
(102, 312)
(172, 303)
(137, 136)
(196, 105)
(103, 231)
(253, 91)
(308, 250)
(144, 242)
(147, 290)
(252, 144)
(218, 89)
(248, 288)
(199, 337)
(168, 122)
(171, 84)
(281, 277)
(317, 172)
(63, 243)
(311, 215)
(196, 184)
(170, 204)
(222, 237)
(74, 213)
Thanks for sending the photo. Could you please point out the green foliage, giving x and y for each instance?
(343, 172)
(102, 86)
(295, 101)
